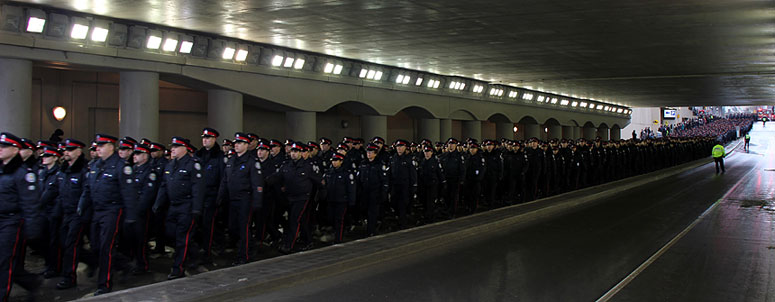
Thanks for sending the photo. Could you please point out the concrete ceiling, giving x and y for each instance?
(632, 52)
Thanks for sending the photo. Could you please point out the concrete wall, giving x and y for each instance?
(645, 117)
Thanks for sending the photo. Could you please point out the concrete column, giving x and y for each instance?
(555, 131)
(577, 132)
(567, 132)
(472, 129)
(301, 125)
(603, 133)
(504, 130)
(445, 129)
(15, 97)
(616, 134)
(138, 113)
(590, 133)
(430, 128)
(373, 125)
(224, 111)
(532, 130)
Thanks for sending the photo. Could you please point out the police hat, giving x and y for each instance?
(191, 148)
(93, 146)
(378, 140)
(348, 139)
(125, 144)
(253, 136)
(372, 147)
(427, 148)
(43, 143)
(401, 142)
(489, 142)
(130, 139)
(314, 145)
(27, 144)
(358, 141)
(226, 142)
(473, 144)
(263, 145)
(157, 147)
(297, 146)
(452, 141)
(180, 141)
(325, 141)
(142, 148)
(240, 137)
(210, 132)
(342, 146)
(275, 143)
(336, 156)
(72, 144)
(105, 139)
(51, 151)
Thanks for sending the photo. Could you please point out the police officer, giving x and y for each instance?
(403, 180)
(453, 164)
(243, 186)
(19, 214)
(271, 159)
(138, 217)
(373, 185)
(71, 178)
(49, 191)
(718, 156)
(476, 167)
(296, 179)
(339, 190)
(430, 176)
(183, 186)
(493, 172)
(212, 159)
(746, 147)
(126, 147)
(535, 158)
(108, 191)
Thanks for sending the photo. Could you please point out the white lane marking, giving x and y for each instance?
(619, 286)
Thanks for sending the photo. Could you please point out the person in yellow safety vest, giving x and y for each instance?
(718, 156)
(747, 142)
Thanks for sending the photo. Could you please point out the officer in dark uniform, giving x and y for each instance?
(382, 154)
(535, 158)
(453, 165)
(159, 161)
(28, 154)
(339, 190)
(325, 152)
(373, 185)
(49, 191)
(183, 186)
(266, 220)
(212, 159)
(519, 168)
(430, 176)
(403, 180)
(243, 187)
(493, 173)
(476, 167)
(139, 216)
(296, 178)
(126, 146)
(109, 190)
(226, 146)
(71, 178)
(19, 215)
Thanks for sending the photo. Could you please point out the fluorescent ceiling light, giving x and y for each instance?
(436, 85)
(378, 75)
(288, 62)
(35, 24)
(406, 80)
(337, 69)
(277, 60)
(512, 94)
(574, 104)
(299, 64)
(564, 102)
(329, 68)
(79, 31)
(228, 53)
(554, 100)
(418, 82)
(170, 45)
(185, 46)
(153, 42)
(541, 98)
(99, 34)
(583, 104)
(363, 73)
(370, 74)
(242, 55)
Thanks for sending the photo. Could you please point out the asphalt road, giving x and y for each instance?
(727, 256)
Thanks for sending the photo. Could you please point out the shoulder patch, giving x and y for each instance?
(152, 176)
(197, 166)
(198, 175)
(352, 177)
(30, 177)
(31, 188)
(225, 159)
(127, 170)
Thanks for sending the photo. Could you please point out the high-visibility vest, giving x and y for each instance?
(747, 136)
(718, 151)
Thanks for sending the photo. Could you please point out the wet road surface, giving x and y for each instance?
(727, 256)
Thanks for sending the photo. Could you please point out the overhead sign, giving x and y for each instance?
(669, 114)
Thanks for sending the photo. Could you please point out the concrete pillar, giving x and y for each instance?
(567, 132)
(555, 131)
(224, 111)
(430, 128)
(590, 133)
(603, 133)
(445, 129)
(532, 130)
(138, 113)
(301, 125)
(472, 129)
(577, 132)
(504, 130)
(15, 97)
(373, 125)
(616, 134)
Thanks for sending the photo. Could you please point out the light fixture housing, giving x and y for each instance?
(59, 113)
(99, 31)
(57, 25)
(153, 42)
(36, 20)
(80, 28)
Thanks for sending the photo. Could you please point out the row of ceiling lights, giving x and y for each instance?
(98, 32)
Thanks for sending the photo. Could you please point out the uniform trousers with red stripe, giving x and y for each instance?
(73, 229)
(105, 228)
(297, 208)
(336, 213)
(180, 225)
(11, 257)
(138, 235)
(240, 215)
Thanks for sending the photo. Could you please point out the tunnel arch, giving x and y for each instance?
(589, 124)
(417, 112)
(356, 108)
(499, 118)
(463, 114)
(528, 120)
(551, 121)
(573, 123)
